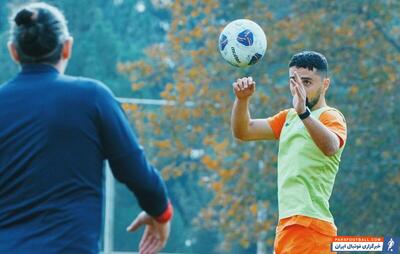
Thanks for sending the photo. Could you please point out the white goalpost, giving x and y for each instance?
(109, 206)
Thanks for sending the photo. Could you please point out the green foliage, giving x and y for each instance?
(104, 33)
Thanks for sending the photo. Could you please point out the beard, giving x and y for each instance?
(312, 102)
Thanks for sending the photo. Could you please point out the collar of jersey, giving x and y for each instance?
(37, 68)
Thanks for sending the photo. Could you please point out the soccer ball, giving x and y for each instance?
(242, 43)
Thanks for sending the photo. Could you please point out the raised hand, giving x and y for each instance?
(244, 87)
(299, 94)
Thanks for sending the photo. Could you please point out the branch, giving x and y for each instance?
(386, 35)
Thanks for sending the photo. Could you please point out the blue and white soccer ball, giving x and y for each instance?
(242, 43)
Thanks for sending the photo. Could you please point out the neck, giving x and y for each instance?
(60, 66)
(321, 103)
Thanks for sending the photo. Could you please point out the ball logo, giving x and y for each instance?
(223, 42)
(255, 59)
(245, 38)
(235, 55)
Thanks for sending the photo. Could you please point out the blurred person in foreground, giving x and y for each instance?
(56, 131)
(311, 138)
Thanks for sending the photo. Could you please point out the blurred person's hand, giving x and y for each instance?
(244, 87)
(155, 235)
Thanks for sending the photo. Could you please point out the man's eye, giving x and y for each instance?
(306, 83)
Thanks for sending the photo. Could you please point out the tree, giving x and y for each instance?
(360, 42)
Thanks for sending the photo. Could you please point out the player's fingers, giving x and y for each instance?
(297, 77)
(245, 83)
(296, 91)
(145, 237)
(139, 221)
(292, 85)
(299, 93)
(253, 86)
(144, 247)
(155, 247)
(135, 225)
(240, 83)
(235, 87)
(294, 82)
(151, 241)
(163, 243)
(300, 88)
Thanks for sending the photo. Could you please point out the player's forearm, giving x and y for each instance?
(240, 118)
(151, 193)
(143, 180)
(325, 139)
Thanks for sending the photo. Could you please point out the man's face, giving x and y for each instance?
(313, 84)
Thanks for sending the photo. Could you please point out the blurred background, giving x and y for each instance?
(224, 191)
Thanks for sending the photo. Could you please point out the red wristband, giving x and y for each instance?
(166, 215)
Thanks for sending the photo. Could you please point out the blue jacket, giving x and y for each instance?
(56, 131)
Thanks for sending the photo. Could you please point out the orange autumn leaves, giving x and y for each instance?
(195, 139)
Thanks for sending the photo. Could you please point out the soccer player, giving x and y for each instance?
(55, 133)
(311, 140)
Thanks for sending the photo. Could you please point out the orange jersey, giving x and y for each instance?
(332, 119)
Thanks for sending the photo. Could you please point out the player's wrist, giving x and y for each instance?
(244, 98)
(305, 114)
(242, 101)
(167, 215)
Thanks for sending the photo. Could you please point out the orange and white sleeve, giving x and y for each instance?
(336, 123)
(277, 121)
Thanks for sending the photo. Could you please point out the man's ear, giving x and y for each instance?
(67, 48)
(326, 84)
(13, 52)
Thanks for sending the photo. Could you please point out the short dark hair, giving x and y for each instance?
(38, 30)
(310, 60)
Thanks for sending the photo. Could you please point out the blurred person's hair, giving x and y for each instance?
(38, 31)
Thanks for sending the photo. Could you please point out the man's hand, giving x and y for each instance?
(298, 93)
(155, 235)
(243, 127)
(244, 87)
